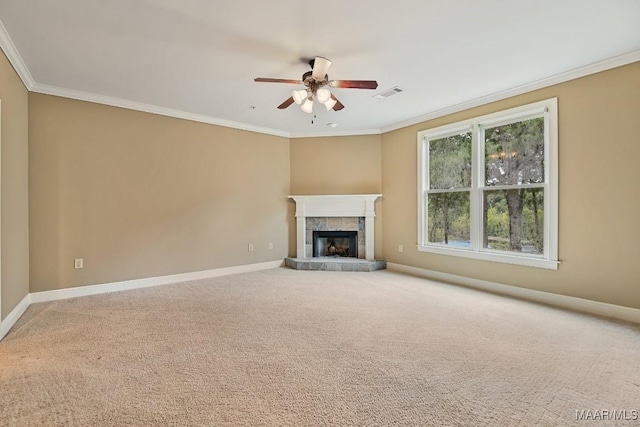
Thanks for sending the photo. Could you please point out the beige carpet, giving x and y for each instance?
(284, 347)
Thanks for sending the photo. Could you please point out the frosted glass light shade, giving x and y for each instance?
(307, 107)
(299, 96)
(323, 95)
(330, 104)
(320, 67)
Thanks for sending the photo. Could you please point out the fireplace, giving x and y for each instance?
(346, 212)
(335, 233)
(335, 244)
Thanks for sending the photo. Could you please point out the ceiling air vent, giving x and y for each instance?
(388, 93)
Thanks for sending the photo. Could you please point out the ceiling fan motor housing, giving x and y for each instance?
(309, 81)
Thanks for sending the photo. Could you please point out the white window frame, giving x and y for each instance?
(549, 258)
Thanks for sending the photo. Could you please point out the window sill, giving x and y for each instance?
(492, 256)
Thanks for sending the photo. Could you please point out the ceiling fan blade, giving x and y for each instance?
(339, 106)
(268, 80)
(286, 103)
(354, 84)
(320, 67)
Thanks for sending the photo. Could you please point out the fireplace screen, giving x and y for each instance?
(335, 244)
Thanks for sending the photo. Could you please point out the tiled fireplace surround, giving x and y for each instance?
(328, 223)
(335, 213)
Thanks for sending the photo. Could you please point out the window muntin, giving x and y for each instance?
(488, 187)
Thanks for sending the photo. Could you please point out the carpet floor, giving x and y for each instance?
(284, 347)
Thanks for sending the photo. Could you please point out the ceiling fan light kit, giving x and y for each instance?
(320, 67)
(330, 104)
(323, 95)
(299, 96)
(315, 82)
(307, 107)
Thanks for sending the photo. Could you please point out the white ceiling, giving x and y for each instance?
(198, 58)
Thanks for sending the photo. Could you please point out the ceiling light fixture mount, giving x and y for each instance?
(317, 83)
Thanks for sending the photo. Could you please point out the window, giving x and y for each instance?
(487, 187)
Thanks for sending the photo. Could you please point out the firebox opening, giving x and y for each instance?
(335, 244)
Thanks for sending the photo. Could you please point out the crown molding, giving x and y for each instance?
(7, 45)
(334, 133)
(594, 68)
(14, 58)
(170, 112)
(149, 108)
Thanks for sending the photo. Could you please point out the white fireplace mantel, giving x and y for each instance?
(343, 205)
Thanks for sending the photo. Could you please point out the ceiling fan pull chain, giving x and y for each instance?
(313, 118)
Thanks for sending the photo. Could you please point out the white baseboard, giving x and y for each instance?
(81, 291)
(587, 306)
(127, 285)
(16, 313)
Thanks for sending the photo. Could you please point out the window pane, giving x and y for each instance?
(450, 162)
(513, 220)
(448, 221)
(514, 153)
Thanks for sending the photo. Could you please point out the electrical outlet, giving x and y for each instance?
(78, 263)
(400, 248)
(270, 245)
(250, 247)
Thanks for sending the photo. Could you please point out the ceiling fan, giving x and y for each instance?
(316, 81)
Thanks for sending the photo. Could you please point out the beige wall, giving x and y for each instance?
(141, 195)
(14, 188)
(599, 194)
(337, 165)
